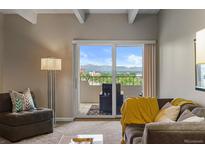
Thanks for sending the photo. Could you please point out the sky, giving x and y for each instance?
(102, 55)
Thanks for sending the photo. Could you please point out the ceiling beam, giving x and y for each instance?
(28, 15)
(80, 15)
(132, 15)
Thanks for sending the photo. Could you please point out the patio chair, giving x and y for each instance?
(106, 99)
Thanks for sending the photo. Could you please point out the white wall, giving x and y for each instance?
(176, 74)
(89, 93)
(1, 48)
(26, 44)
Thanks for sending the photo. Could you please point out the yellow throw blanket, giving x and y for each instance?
(140, 110)
(180, 102)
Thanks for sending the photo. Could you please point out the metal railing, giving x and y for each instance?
(128, 80)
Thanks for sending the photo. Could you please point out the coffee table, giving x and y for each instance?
(97, 138)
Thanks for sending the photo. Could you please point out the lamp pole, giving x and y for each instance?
(51, 92)
(51, 65)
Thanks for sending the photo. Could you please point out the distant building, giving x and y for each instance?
(94, 73)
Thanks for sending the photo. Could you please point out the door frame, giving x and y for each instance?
(76, 68)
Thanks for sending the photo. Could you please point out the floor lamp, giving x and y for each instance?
(51, 65)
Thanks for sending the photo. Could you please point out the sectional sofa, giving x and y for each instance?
(169, 133)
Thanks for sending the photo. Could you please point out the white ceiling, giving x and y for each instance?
(32, 15)
(90, 11)
(121, 11)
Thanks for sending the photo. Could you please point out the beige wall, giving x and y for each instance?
(177, 30)
(25, 44)
(1, 48)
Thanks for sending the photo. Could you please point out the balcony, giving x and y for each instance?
(125, 80)
(90, 89)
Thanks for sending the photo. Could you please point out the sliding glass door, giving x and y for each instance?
(129, 73)
(105, 75)
(95, 80)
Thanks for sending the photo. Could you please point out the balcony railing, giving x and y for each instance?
(128, 80)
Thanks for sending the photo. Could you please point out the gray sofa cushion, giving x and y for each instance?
(177, 126)
(133, 131)
(25, 117)
(163, 101)
(199, 111)
(174, 133)
(25, 131)
(187, 106)
(186, 114)
(137, 140)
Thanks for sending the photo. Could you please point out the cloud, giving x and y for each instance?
(87, 61)
(107, 50)
(83, 55)
(131, 60)
(108, 61)
(135, 60)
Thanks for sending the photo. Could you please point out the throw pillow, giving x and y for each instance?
(168, 114)
(21, 101)
(29, 103)
(199, 111)
(168, 104)
(17, 101)
(194, 119)
(188, 116)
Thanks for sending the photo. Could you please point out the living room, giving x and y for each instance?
(80, 68)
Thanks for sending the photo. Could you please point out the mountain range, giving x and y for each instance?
(107, 68)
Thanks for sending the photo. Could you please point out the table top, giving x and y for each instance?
(97, 138)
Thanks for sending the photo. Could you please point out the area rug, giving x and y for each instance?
(95, 110)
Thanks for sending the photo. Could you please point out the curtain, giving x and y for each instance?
(149, 73)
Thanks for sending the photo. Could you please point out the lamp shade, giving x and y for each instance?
(200, 47)
(51, 64)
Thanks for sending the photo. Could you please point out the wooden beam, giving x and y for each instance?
(28, 15)
(80, 14)
(132, 15)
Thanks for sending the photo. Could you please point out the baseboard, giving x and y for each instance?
(66, 119)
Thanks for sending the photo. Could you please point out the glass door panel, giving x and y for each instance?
(129, 73)
(95, 80)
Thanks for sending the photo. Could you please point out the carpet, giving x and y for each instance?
(94, 110)
(111, 131)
